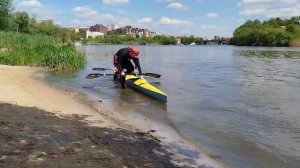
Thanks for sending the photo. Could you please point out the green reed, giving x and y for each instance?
(39, 50)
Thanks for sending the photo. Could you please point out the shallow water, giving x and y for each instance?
(239, 103)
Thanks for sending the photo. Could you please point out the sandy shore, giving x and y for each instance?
(44, 126)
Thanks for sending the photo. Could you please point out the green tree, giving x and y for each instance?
(21, 21)
(187, 40)
(5, 11)
(117, 31)
(273, 32)
(198, 40)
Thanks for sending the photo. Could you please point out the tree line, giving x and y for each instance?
(273, 32)
(118, 37)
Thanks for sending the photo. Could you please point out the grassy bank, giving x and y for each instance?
(295, 43)
(39, 50)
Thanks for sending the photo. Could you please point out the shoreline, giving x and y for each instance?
(77, 130)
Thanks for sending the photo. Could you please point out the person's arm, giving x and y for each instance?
(137, 65)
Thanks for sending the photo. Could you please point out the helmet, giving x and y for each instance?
(135, 52)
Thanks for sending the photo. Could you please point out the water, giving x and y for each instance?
(241, 104)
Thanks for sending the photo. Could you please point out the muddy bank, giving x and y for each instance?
(32, 137)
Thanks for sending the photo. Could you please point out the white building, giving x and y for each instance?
(93, 34)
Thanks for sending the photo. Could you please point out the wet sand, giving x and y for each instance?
(45, 126)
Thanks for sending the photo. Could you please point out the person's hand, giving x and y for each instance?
(142, 77)
(115, 69)
(122, 73)
(136, 71)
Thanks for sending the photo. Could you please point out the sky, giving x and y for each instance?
(201, 18)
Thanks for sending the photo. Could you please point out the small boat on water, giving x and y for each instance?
(142, 86)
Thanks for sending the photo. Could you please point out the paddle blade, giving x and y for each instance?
(153, 75)
(101, 69)
(96, 75)
(92, 76)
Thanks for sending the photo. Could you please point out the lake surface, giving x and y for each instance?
(240, 104)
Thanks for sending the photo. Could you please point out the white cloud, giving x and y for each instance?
(212, 15)
(267, 1)
(251, 12)
(115, 2)
(177, 5)
(209, 27)
(164, 1)
(87, 16)
(145, 20)
(84, 11)
(270, 8)
(46, 13)
(284, 12)
(169, 21)
(30, 3)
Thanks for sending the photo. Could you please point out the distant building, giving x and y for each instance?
(76, 30)
(178, 41)
(137, 32)
(217, 38)
(93, 34)
(111, 27)
(152, 34)
(96, 30)
(297, 22)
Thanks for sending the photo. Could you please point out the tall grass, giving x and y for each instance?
(39, 50)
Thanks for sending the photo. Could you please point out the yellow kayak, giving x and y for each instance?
(141, 85)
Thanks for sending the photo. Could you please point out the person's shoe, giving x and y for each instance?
(115, 76)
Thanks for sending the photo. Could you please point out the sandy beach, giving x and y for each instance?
(45, 126)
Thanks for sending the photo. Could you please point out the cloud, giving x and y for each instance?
(30, 3)
(87, 16)
(267, 1)
(251, 12)
(164, 1)
(85, 12)
(175, 22)
(46, 13)
(146, 20)
(115, 2)
(269, 8)
(209, 27)
(284, 12)
(177, 5)
(212, 15)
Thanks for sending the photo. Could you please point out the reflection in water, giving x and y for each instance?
(269, 53)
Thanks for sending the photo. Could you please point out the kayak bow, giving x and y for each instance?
(141, 85)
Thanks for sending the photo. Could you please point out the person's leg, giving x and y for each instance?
(129, 67)
(122, 80)
(116, 69)
(116, 72)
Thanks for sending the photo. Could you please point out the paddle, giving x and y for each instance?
(96, 75)
(101, 69)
